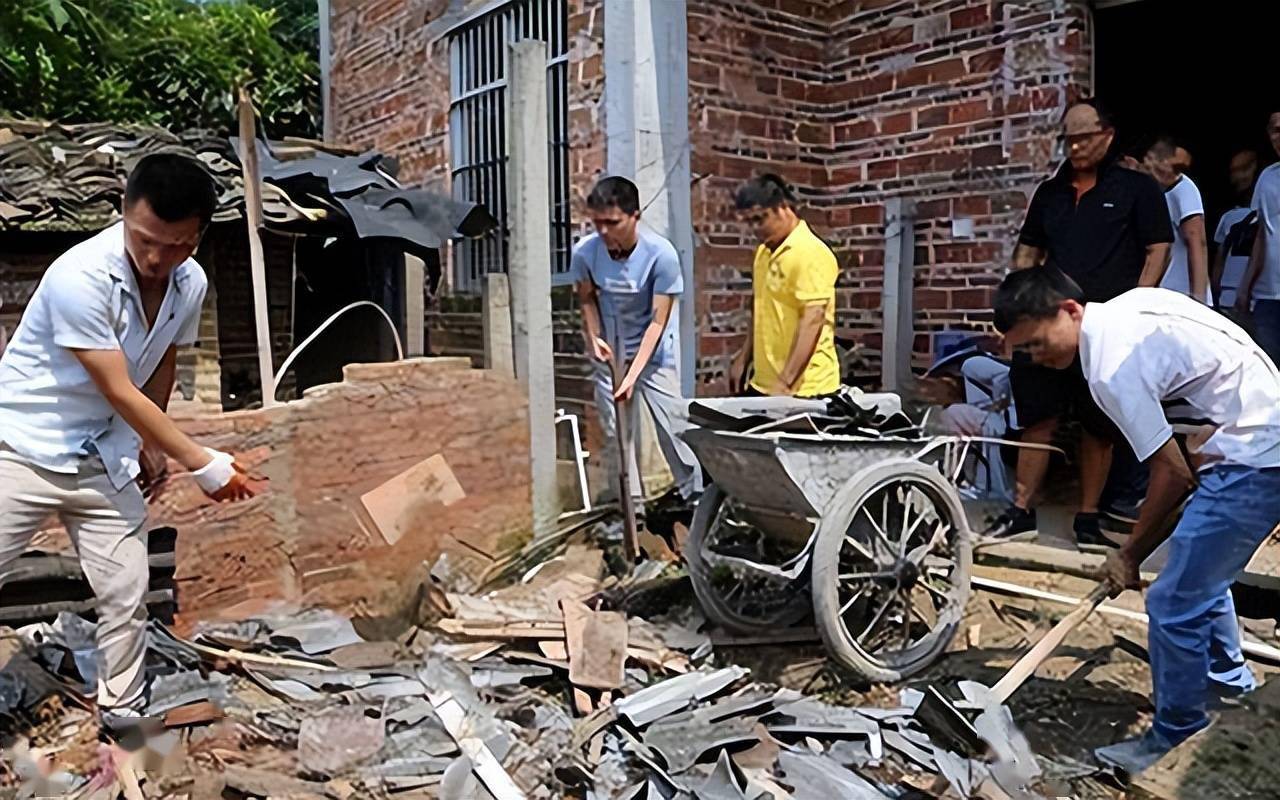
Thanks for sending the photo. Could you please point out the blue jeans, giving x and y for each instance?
(1194, 636)
(1266, 327)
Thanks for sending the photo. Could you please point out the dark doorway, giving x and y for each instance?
(1202, 72)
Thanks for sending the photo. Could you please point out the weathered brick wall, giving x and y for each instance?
(950, 104)
(300, 540)
(954, 105)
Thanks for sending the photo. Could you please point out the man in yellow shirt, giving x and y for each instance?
(791, 340)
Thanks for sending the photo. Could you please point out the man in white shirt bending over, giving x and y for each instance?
(1235, 232)
(1149, 355)
(84, 384)
(1188, 270)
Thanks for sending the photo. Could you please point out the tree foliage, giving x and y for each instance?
(173, 63)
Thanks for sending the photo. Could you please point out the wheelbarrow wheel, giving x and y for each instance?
(733, 595)
(891, 569)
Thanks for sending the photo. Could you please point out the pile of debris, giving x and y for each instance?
(551, 686)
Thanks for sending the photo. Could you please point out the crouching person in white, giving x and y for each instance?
(84, 385)
(1152, 357)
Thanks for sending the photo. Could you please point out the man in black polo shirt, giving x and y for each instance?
(1107, 228)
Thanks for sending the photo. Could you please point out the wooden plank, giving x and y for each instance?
(257, 263)
(201, 713)
(597, 643)
(408, 503)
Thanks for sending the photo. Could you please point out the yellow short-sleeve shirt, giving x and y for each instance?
(801, 272)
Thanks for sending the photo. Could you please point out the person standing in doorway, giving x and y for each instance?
(1235, 232)
(791, 337)
(1259, 292)
(628, 280)
(1188, 270)
(84, 385)
(1107, 228)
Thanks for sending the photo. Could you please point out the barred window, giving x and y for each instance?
(477, 127)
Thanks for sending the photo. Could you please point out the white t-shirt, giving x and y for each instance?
(1184, 201)
(1151, 356)
(1236, 263)
(1266, 201)
(51, 413)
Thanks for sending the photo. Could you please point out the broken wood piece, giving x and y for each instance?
(655, 548)
(201, 713)
(582, 701)
(486, 766)
(498, 629)
(408, 502)
(974, 635)
(555, 650)
(1256, 649)
(597, 644)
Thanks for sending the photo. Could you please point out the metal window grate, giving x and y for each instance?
(477, 127)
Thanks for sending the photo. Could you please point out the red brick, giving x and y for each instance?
(931, 298)
(854, 131)
(933, 209)
(869, 87)
(932, 117)
(970, 17)
(812, 133)
(897, 123)
(868, 215)
(938, 72)
(703, 72)
(880, 170)
(988, 61)
(969, 111)
(987, 156)
(972, 206)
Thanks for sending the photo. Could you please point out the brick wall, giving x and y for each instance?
(950, 104)
(300, 540)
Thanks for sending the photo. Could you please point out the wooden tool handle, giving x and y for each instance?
(1027, 665)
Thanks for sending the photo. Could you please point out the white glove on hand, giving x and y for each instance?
(217, 473)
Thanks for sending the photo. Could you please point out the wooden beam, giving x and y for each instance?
(257, 263)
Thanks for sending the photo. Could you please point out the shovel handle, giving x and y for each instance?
(1027, 665)
(622, 429)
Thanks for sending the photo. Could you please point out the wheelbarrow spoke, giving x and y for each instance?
(866, 576)
(908, 532)
(844, 609)
(880, 534)
(875, 620)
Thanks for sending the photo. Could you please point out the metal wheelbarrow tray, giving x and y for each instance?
(867, 532)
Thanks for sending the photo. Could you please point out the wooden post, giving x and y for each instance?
(529, 215)
(496, 321)
(257, 265)
(897, 307)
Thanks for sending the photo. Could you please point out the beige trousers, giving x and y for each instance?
(108, 533)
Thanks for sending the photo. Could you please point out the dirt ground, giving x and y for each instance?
(1093, 691)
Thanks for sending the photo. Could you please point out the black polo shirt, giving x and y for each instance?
(1102, 242)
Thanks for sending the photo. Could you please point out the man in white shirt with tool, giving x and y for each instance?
(84, 384)
(1149, 356)
(1188, 270)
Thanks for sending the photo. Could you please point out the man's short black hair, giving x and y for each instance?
(175, 186)
(1104, 115)
(614, 191)
(1164, 147)
(1034, 293)
(764, 191)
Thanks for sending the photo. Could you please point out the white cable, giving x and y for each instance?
(288, 362)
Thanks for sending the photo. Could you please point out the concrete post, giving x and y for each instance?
(415, 312)
(496, 321)
(529, 215)
(897, 308)
(646, 69)
(326, 64)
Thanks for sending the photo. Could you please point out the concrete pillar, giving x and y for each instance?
(897, 306)
(496, 321)
(529, 215)
(326, 65)
(646, 94)
(415, 312)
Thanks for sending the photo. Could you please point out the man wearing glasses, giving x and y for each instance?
(1107, 228)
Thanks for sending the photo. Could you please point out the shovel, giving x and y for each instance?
(939, 714)
(630, 538)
